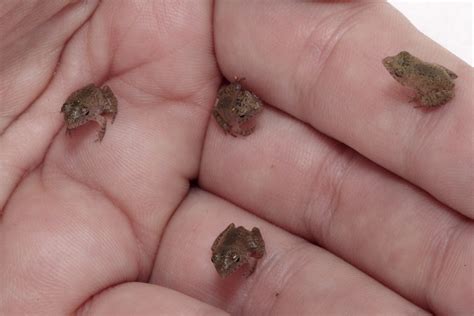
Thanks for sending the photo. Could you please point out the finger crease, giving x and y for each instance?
(312, 74)
(441, 259)
(328, 182)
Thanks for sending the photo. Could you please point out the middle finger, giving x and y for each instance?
(292, 270)
(324, 191)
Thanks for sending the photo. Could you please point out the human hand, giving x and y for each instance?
(116, 227)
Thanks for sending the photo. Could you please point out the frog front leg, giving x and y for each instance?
(244, 127)
(103, 126)
(242, 131)
(256, 243)
(111, 102)
(222, 123)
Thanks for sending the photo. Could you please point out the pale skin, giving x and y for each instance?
(115, 228)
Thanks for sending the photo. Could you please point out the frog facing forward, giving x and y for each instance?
(236, 108)
(433, 83)
(89, 104)
(234, 247)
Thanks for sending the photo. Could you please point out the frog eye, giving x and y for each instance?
(235, 257)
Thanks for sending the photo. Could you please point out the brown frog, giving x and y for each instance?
(433, 83)
(236, 108)
(89, 103)
(235, 247)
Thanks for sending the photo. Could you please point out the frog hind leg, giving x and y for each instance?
(111, 104)
(436, 97)
(450, 73)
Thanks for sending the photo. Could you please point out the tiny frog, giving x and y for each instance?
(234, 247)
(236, 108)
(89, 103)
(433, 83)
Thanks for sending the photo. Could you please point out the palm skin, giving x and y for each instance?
(117, 227)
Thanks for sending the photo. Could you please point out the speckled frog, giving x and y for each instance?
(236, 108)
(236, 246)
(433, 83)
(89, 104)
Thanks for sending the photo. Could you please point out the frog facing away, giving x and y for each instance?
(433, 83)
(235, 247)
(89, 104)
(236, 108)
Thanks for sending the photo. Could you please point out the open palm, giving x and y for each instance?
(364, 202)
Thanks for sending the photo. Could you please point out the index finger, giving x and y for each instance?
(321, 63)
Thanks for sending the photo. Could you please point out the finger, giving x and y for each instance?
(326, 70)
(323, 191)
(150, 153)
(292, 270)
(58, 251)
(145, 299)
(109, 202)
(147, 145)
(55, 257)
(33, 35)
